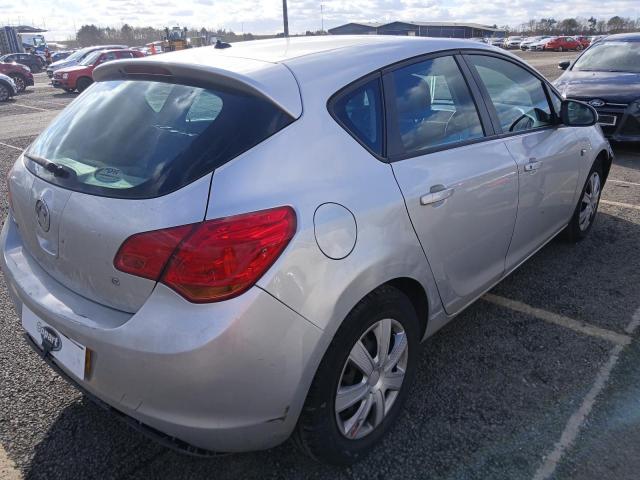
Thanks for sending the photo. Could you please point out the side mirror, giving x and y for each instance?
(564, 65)
(578, 114)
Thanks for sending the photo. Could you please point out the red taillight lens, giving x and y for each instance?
(146, 254)
(214, 260)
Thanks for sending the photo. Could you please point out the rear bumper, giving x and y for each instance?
(230, 376)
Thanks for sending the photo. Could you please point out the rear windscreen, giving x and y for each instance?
(143, 139)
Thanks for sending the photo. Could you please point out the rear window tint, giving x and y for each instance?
(359, 110)
(142, 139)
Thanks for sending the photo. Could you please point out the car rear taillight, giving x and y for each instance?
(213, 260)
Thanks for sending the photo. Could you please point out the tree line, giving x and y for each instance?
(135, 36)
(575, 26)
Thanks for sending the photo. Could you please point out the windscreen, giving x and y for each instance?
(78, 54)
(610, 57)
(142, 139)
(91, 58)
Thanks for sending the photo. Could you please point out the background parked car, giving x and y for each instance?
(20, 74)
(584, 41)
(77, 57)
(529, 42)
(57, 56)
(563, 44)
(81, 76)
(7, 88)
(607, 76)
(512, 42)
(495, 41)
(34, 62)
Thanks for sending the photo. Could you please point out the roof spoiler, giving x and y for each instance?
(272, 82)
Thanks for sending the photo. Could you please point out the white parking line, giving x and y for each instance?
(623, 182)
(577, 420)
(570, 323)
(8, 470)
(33, 108)
(620, 204)
(11, 146)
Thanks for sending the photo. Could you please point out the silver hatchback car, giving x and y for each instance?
(228, 247)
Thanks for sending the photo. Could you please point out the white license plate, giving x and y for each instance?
(609, 120)
(67, 352)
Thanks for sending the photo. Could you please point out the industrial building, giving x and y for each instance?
(420, 29)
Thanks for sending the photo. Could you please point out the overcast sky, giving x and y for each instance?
(62, 17)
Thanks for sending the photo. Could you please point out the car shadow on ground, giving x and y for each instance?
(493, 392)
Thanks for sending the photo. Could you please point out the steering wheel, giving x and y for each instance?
(520, 118)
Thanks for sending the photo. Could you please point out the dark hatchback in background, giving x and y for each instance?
(607, 76)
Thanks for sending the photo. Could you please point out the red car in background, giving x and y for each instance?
(80, 76)
(20, 74)
(584, 41)
(563, 44)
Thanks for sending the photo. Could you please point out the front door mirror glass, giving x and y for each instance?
(578, 114)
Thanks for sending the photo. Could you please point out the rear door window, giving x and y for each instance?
(432, 106)
(359, 111)
(142, 139)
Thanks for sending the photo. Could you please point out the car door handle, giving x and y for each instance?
(438, 194)
(532, 166)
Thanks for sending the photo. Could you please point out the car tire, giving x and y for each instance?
(20, 82)
(559, 49)
(586, 210)
(83, 83)
(578, 48)
(69, 90)
(5, 94)
(344, 434)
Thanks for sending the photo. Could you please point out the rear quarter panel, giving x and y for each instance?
(311, 162)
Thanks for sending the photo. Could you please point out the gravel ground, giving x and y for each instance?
(495, 387)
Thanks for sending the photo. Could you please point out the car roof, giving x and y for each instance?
(109, 50)
(284, 69)
(280, 50)
(623, 37)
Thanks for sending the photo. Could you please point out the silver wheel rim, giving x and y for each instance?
(4, 93)
(371, 378)
(589, 202)
(19, 83)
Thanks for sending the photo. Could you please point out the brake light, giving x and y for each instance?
(145, 254)
(213, 260)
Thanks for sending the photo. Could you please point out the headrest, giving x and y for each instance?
(413, 97)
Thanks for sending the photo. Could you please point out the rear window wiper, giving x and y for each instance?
(48, 165)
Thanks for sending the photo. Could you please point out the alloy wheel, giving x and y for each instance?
(589, 203)
(19, 81)
(371, 378)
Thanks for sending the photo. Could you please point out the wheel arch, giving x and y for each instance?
(605, 159)
(8, 87)
(17, 74)
(417, 295)
(82, 78)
